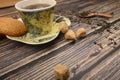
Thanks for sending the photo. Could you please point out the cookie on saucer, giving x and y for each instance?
(12, 27)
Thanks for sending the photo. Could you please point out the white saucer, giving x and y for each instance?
(41, 39)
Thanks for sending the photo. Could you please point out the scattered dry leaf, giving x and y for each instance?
(92, 14)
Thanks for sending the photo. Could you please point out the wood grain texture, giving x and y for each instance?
(27, 62)
(7, 3)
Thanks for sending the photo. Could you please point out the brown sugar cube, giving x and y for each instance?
(63, 27)
(81, 32)
(70, 35)
(61, 72)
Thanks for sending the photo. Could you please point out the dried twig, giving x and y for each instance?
(92, 14)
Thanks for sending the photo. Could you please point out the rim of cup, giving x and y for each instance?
(21, 4)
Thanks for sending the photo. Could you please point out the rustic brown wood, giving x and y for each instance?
(94, 57)
(7, 3)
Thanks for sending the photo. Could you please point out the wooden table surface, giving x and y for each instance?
(94, 57)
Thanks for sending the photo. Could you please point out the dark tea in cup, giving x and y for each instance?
(36, 6)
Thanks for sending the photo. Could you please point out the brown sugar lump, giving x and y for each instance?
(63, 27)
(70, 35)
(81, 32)
(61, 72)
(12, 27)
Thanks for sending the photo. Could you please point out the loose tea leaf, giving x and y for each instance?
(58, 19)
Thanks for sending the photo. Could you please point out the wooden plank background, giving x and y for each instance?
(26, 62)
(7, 3)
